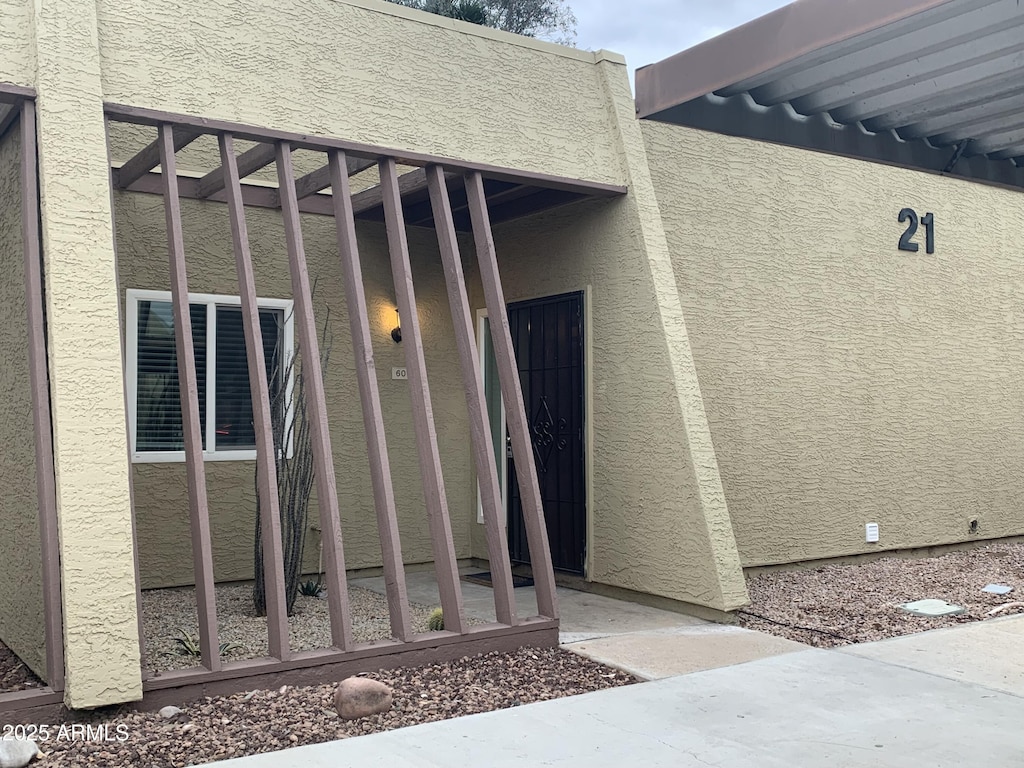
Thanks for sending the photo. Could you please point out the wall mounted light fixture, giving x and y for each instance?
(396, 332)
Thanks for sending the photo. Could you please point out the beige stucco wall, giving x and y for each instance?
(657, 517)
(329, 68)
(21, 592)
(101, 639)
(160, 489)
(848, 382)
(17, 62)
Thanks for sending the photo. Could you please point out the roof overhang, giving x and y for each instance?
(931, 84)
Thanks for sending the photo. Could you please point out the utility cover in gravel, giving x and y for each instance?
(931, 608)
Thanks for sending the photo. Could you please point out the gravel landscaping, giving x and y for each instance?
(14, 675)
(232, 726)
(843, 604)
(168, 613)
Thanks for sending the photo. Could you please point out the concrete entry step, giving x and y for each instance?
(683, 650)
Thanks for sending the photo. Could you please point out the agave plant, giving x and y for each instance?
(188, 645)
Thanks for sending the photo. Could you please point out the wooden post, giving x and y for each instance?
(445, 563)
(312, 377)
(476, 405)
(512, 392)
(266, 458)
(373, 419)
(39, 380)
(199, 514)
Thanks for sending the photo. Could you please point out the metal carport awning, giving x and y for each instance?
(931, 84)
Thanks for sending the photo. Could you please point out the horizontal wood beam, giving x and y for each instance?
(249, 162)
(320, 179)
(10, 93)
(149, 158)
(253, 196)
(144, 116)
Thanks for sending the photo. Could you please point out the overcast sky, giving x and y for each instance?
(646, 31)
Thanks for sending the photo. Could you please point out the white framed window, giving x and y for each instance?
(495, 410)
(222, 372)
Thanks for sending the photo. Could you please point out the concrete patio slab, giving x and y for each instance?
(988, 653)
(812, 709)
(682, 650)
(584, 615)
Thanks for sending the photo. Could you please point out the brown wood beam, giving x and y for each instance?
(435, 499)
(247, 164)
(320, 179)
(317, 667)
(512, 392)
(10, 93)
(199, 510)
(369, 395)
(254, 196)
(266, 455)
(316, 402)
(149, 158)
(46, 491)
(476, 405)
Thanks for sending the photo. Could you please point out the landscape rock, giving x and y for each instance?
(358, 697)
(17, 753)
(168, 713)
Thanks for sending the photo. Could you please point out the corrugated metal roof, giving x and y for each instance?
(933, 82)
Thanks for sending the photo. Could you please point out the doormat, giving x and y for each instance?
(485, 579)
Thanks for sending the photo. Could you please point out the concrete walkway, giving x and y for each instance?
(907, 702)
(725, 696)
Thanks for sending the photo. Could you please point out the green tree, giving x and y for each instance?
(547, 19)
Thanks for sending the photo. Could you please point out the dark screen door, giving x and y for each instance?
(548, 338)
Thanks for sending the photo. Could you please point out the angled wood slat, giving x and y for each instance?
(369, 395)
(46, 491)
(320, 179)
(476, 405)
(434, 496)
(312, 376)
(149, 158)
(266, 465)
(246, 164)
(512, 392)
(11, 116)
(199, 520)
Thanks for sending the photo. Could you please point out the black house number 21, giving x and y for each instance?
(909, 215)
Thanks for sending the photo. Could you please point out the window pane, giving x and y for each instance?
(235, 430)
(158, 404)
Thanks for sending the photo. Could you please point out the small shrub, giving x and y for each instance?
(436, 621)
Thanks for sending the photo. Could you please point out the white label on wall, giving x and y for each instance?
(871, 533)
(399, 374)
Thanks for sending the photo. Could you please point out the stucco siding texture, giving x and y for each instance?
(21, 592)
(847, 382)
(17, 56)
(161, 498)
(657, 521)
(326, 67)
